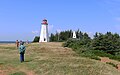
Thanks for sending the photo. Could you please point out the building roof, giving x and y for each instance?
(44, 22)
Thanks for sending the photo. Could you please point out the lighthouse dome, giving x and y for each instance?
(44, 22)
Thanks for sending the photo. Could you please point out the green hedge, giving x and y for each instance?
(86, 50)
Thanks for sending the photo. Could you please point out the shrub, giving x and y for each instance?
(18, 73)
(107, 45)
(114, 65)
(36, 39)
(108, 42)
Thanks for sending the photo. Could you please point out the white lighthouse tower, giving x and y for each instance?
(74, 34)
(44, 31)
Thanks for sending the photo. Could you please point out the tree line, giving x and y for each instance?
(63, 36)
(102, 45)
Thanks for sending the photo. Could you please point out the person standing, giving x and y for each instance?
(27, 42)
(17, 43)
(20, 42)
(22, 49)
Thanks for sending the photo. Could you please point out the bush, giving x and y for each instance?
(107, 45)
(114, 65)
(36, 39)
(115, 57)
(89, 54)
(18, 73)
(108, 42)
(70, 42)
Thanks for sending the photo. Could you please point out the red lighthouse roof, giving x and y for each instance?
(44, 22)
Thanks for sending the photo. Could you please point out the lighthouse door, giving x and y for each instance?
(44, 39)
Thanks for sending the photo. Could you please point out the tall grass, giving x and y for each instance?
(50, 59)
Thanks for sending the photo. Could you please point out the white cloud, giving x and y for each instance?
(59, 30)
(91, 34)
(35, 32)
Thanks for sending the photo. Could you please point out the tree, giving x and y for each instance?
(36, 39)
(108, 42)
(78, 33)
(65, 35)
(51, 37)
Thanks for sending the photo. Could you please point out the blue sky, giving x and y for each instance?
(21, 19)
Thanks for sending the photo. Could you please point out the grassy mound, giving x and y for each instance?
(50, 59)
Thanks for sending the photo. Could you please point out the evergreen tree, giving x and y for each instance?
(108, 42)
(36, 39)
(51, 37)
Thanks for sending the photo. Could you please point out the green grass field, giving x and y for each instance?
(50, 59)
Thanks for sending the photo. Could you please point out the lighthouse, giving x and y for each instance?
(74, 34)
(44, 31)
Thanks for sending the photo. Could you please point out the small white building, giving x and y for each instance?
(74, 34)
(44, 36)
